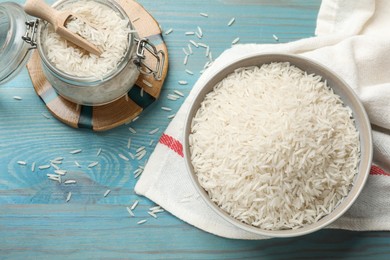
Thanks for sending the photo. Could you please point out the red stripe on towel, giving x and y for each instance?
(172, 144)
(375, 170)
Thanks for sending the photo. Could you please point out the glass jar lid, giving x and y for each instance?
(14, 52)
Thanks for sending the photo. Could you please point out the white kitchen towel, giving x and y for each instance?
(353, 39)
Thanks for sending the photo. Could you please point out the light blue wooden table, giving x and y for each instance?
(37, 223)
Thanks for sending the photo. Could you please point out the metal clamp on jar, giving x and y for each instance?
(16, 42)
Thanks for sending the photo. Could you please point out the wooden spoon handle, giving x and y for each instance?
(40, 9)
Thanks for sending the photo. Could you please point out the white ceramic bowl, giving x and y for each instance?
(339, 86)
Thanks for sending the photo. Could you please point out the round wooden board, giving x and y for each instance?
(100, 118)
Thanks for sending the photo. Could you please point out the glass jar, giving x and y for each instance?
(81, 90)
(14, 52)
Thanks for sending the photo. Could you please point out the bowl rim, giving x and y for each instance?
(364, 130)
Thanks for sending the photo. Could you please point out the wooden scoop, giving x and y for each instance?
(58, 19)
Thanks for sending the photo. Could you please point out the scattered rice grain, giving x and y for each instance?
(166, 108)
(230, 23)
(132, 130)
(152, 132)
(189, 72)
(147, 83)
(169, 31)
(130, 211)
(92, 164)
(60, 172)
(123, 157)
(75, 151)
(236, 40)
(179, 93)
(106, 193)
(194, 43)
(43, 167)
(141, 221)
(33, 167)
(152, 214)
(134, 205)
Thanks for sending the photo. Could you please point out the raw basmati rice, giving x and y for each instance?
(106, 193)
(60, 172)
(54, 166)
(200, 31)
(189, 48)
(231, 21)
(134, 205)
(69, 196)
(179, 93)
(123, 157)
(92, 164)
(141, 221)
(194, 43)
(140, 149)
(166, 108)
(152, 214)
(112, 38)
(189, 72)
(130, 211)
(131, 156)
(147, 83)
(274, 147)
(152, 132)
(33, 167)
(45, 116)
(169, 31)
(236, 40)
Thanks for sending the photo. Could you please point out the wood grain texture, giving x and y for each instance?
(37, 223)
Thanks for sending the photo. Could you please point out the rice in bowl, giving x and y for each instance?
(274, 147)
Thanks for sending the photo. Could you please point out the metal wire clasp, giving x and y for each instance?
(142, 45)
(31, 33)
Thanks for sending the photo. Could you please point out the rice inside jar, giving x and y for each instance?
(85, 78)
